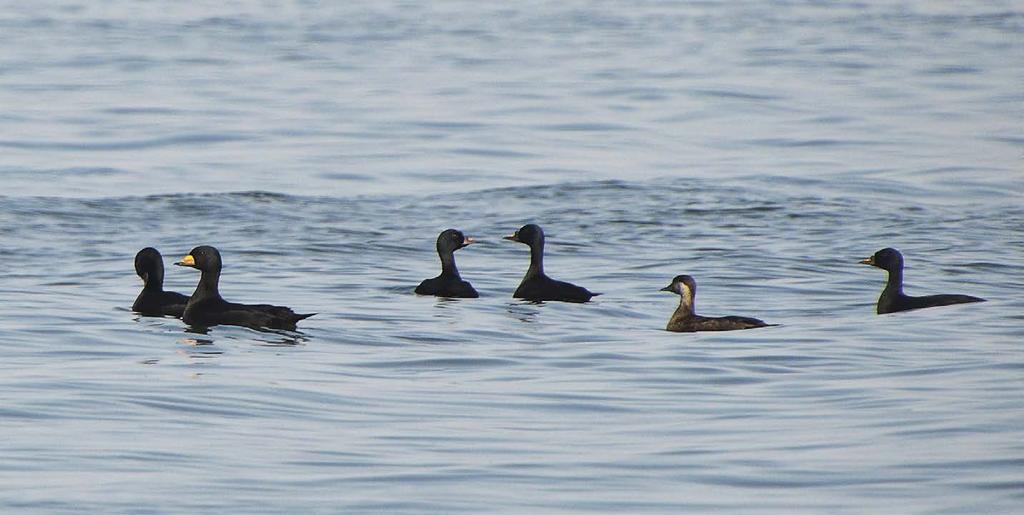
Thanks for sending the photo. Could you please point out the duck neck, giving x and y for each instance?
(895, 283)
(208, 286)
(448, 268)
(154, 280)
(154, 284)
(536, 260)
(685, 308)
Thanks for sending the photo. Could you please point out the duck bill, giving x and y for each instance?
(668, 288)
(511, 237)
(468, 241)
(187, 261)
(867, 261)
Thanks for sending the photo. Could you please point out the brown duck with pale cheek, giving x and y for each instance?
(684, 320)
(207, 308)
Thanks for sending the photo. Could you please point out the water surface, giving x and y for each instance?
(763, 148)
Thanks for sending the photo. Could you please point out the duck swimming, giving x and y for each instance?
(207, 308)
(153, 300)
(684, 320)
(893, 299)
(536, 285)
(449, 283)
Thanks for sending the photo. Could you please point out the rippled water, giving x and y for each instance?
(763, 147)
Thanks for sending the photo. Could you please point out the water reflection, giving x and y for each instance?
(266, 337)
(199, 348)
(525, 311)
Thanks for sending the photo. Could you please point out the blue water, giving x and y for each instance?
(762, 147)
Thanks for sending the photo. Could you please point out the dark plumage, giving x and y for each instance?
(449, 283)
(153, 300)
(684, 320)
(207, 308)
(893, 299)
(536, 285)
